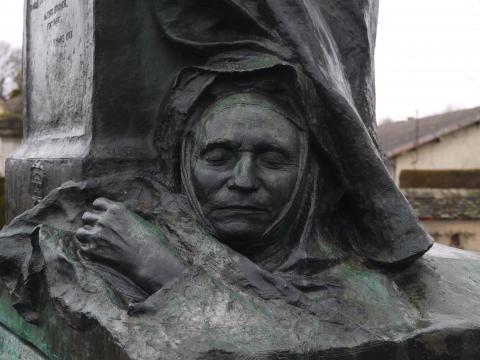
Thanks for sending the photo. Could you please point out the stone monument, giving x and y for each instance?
(201, 180)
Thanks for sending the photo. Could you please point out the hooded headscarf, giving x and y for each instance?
(323, 56)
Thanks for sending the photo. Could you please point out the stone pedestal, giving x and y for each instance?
(93, 84)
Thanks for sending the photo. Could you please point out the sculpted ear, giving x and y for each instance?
(209, 23)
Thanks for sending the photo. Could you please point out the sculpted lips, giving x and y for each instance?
(240, 209)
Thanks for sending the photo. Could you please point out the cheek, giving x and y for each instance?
(207, 181)
(280, 184)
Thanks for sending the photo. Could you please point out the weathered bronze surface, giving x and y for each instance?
(250, 215)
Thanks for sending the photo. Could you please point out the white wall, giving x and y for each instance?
(459, 150)
(468, 231)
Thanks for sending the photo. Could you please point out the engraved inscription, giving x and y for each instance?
(48, 14)
(55, 29)
(54, 22)
(53, 19)
(59, 40)
(54, 10)
(36, 4)
(62, 38)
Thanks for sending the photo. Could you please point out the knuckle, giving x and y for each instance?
(116, 208)
(81, 233)
(86, 215)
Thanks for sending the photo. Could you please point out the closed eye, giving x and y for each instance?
(218, 155)
(274, 159)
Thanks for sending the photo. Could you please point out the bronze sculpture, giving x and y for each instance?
(271, 228)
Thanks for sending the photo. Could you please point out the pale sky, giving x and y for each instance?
(427, 59)
(11, 21)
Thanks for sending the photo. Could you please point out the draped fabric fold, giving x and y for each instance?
(328, 47)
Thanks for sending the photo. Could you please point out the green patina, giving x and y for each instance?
(373, 292)
(52, 337)
(23, 330)
(145, 225)
(12, 347)
(249, 64)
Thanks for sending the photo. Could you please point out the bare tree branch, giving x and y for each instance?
(10, 69)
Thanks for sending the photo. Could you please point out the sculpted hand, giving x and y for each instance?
(117, 237)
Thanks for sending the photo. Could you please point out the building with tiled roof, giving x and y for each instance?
(397, 137)
(436, 163)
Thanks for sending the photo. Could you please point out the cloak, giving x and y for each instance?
(324, 50)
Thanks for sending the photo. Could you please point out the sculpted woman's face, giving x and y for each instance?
(244, 169)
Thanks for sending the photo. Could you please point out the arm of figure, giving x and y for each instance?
(117, 237)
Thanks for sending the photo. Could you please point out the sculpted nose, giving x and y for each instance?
(243, 177)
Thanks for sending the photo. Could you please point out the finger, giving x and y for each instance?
(90, 218)
(85, 253)
(84, 234)
(103, 204)
(140, 308)
(86, 249)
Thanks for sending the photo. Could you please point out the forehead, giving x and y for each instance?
(248, 123)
